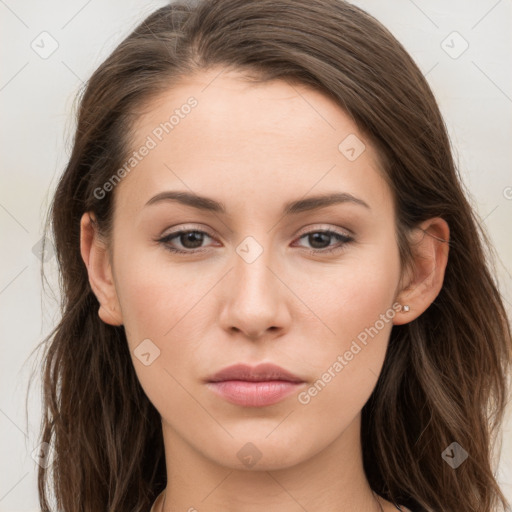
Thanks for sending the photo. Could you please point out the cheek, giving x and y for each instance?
(160, 304)
(356, 304)
(350, 296)
(157, 297)
(163, 303)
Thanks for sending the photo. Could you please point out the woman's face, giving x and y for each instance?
(257, 282)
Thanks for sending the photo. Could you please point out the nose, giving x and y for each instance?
(256, 299)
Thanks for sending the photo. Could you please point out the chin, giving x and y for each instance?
(258, 453)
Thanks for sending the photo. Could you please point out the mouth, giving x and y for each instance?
(259, 386)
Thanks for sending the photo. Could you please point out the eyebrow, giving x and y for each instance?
(291, 208)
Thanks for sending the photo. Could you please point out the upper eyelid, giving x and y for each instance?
(187, 229)
(337, 229)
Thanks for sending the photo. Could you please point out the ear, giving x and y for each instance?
(430, 247)
(95, 254)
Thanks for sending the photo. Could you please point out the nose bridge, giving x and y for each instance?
(254, 301)
(253, 279)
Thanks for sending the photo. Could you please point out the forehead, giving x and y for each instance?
(217, 131)
(235, 107)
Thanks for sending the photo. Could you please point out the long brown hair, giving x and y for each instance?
(444, 379)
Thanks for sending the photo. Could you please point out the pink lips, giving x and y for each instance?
(258, 386)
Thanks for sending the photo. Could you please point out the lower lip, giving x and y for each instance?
(254, 394)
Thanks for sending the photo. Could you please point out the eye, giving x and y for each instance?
(190, 239)
(320, 240)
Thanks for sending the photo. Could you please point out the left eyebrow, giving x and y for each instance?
(322, 201)
(291, 208)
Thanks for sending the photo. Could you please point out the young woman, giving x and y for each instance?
(276, 295)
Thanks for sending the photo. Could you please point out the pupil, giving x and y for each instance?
(189, 237)
(315, 238)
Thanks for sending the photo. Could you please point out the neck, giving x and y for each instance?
(332, 479)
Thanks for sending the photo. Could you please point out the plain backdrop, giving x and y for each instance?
(48, 49)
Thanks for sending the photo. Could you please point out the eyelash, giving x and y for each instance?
(344, 239)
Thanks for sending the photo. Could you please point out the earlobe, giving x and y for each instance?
(430, 247)
(96, 258)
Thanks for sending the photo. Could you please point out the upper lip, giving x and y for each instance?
(259, 373)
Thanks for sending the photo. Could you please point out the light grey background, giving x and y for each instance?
(36, 99)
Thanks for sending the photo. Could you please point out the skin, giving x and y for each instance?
(255, 147)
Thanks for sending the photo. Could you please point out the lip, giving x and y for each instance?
(259, 373)
(257, 386)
